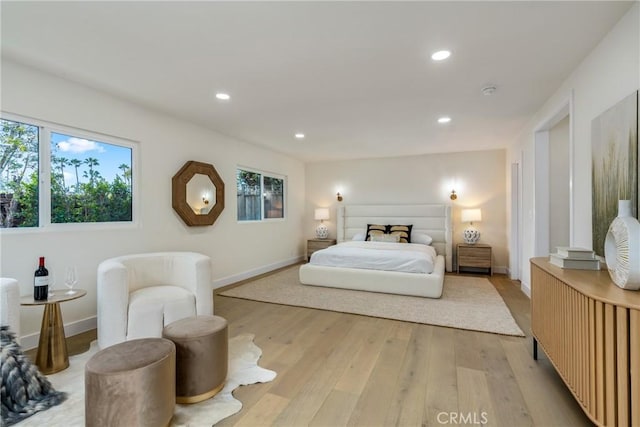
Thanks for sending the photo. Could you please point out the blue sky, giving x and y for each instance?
(109, 156)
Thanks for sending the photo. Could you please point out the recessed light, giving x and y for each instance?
(299, 135)
(440, 55)
(223, 96)
(444, 119)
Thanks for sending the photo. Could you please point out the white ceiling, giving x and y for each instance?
(355, 77)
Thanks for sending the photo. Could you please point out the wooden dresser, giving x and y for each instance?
(590, 330)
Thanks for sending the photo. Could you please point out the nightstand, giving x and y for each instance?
(475, 256)
(317, 244)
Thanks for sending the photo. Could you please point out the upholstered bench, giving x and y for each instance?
(131, 384)
(202, 352)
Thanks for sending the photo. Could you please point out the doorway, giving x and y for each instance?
(516, 221)
(553, 195)
(559, 185)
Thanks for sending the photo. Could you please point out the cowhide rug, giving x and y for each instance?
(243, 370)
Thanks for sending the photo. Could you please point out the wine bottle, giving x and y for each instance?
(41, 282)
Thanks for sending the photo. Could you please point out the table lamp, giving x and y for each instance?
(470, 234)
(322, 232)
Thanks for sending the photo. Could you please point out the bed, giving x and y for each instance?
(431, 219)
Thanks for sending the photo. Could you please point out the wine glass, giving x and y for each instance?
(52, 283)
(70, 279)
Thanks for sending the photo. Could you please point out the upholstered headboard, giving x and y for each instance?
(432, 219)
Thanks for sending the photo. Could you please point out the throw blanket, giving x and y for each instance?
(24, 390)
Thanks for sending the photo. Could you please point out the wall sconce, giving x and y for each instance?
(206, 208)
(339, 196)
(453, 195)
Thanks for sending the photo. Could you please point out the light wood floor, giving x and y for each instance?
(337, 369)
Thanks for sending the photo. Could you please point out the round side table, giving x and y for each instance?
(52, 353)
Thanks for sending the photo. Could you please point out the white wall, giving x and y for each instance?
(559, 185)
(607, 75)
(478, 178)
(237, 249)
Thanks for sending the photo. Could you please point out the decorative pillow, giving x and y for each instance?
(388, 238)
(375, 229)
(421, 238)
(359, 237)
(25, 390)
(404, 231)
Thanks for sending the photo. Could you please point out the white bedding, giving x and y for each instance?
(403, 257)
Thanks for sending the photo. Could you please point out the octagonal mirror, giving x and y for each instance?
(201, 194)
(198, 193)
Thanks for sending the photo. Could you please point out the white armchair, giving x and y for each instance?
(10, 305)
(139, 294)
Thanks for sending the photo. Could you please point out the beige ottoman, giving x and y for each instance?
(202, 352)
(131, 384)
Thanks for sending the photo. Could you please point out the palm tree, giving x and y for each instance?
(91, 162)
(76, 164)
(62, 161)
(126, 173)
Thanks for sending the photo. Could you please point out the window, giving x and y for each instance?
(260, 195)
(76, 177)
(19, 174)
(273, 190)
(90, 180)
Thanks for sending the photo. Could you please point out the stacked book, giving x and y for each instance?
(575, 258)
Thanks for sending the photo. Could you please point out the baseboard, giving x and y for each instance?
(28, 342)
(219, 283)
(500, 270)
(524, 287)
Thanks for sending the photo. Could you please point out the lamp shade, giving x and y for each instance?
(470, 215)
(322, 213)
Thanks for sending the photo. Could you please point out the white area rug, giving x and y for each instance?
(471, 303)
(243, 370)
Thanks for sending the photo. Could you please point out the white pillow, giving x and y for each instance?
(421, 238)
(359, 236)
(389, 238)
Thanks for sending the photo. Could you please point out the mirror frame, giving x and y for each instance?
(179, 193)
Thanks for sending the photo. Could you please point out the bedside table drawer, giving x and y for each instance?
(317, 244)
(474, 256)
(473, 261)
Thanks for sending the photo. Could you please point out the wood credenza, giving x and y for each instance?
(590, 330)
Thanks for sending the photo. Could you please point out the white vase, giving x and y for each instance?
(471, 235)
(322, 232)
(622, 248)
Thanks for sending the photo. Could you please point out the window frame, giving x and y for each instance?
(284, 195)
(45, 128)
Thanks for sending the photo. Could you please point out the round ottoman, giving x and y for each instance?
(202, 352)
(131, 383)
